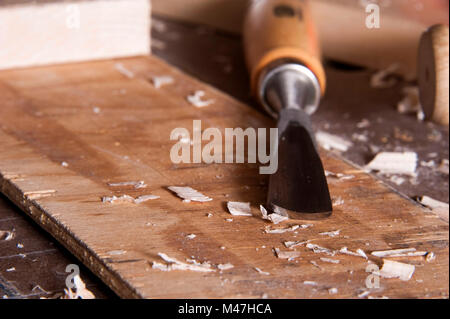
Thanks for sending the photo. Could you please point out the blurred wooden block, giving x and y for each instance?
(48, 31)
(341, 25)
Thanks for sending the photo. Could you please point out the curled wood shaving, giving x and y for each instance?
(394, 269)
(384, 79)
(330, 142)
(196, 99)
(137, 185)
(189, 194)
(286, 254)
(394, 163)
(174, 264)
(6, 235)
(359, 252)
(159, 81)
(274, 218)
(80, 290)
(239, 209)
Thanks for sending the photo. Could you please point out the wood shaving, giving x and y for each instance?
(333, 291)
(159, 81)
(339, 176)
(359, 252)
(196, 99)
(273, 218)
(430, 257)
(137, 185)
(432, 203)
(411, 102)
(286, 254)
(80, 290)
(39, 194)
(407, 252)
(239, 209)
(11, 269)
(269, 230)
(330, 142)
(384, 79)
(189, 194)
(338, 201)
(225, 266)
(174, 264)
(262, 272)
(19, 245)
(320, 250)
(128, 199)
(116, 252)
(394, 163)
(331, 234)
(292, 244)
(191, 236)
(394, 269)
(6, 235)
(64, 164)
(123, 70)
(329, 260)
(310, 283)
(444, 167)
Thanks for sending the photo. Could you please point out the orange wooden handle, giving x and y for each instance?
(281, 29)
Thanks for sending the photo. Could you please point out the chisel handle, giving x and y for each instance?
(277, 30)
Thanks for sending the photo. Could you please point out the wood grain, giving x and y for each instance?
(49, 31)
(47, 117)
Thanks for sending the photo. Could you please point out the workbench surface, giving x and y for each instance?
(217, 59)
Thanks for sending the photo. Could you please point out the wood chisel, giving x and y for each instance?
(288, 79)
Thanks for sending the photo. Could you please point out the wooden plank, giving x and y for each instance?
(47, 117)
(53, 31)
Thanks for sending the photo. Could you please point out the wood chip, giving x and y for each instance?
(330, 142)
(128, 199)
(329, 260)
(333, 291)
(11, 269)
(286, 254)
(239, 209)
(39, 194)
(384, 79)
(80, 290)
(407, 252)
(225, 266)
(339, 176)
(432, 203)
(269, 230)
(320, 250)
(394, 163)
(310, 283)
(6, 235)
(262, 272)
(292, 244)
(273, 218)
(160, 81)
(331, 234)
(191, 236)
(196, 99)
(137, 185)
(123, 70)
(394, 269)
(189, 194)
(174, 264)
(359, 252)
(116, 252)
